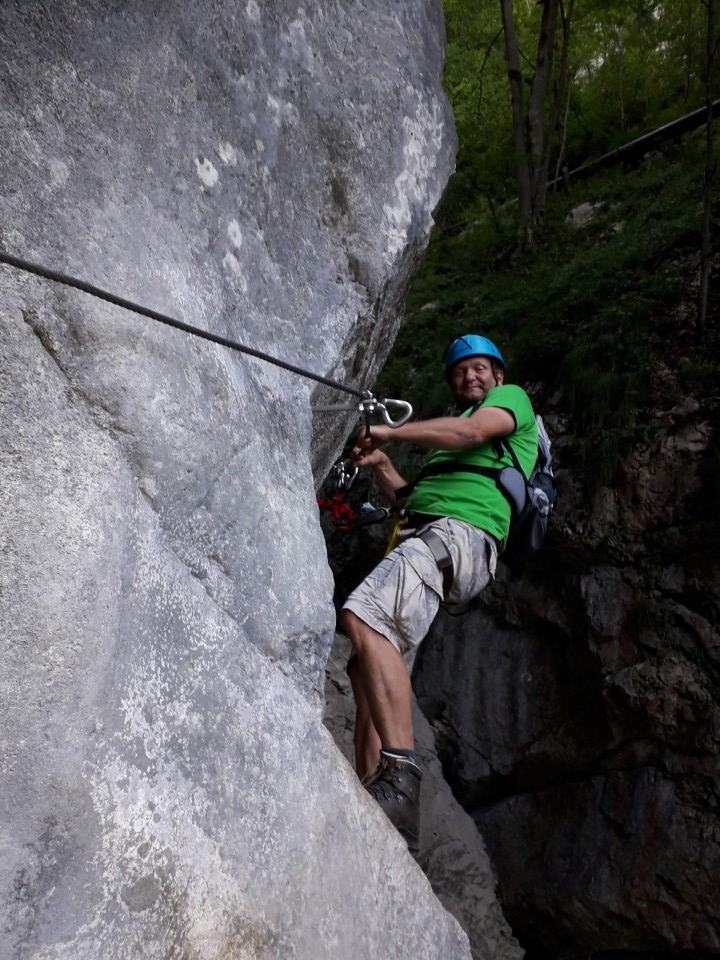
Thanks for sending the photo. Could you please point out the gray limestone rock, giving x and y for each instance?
(266, 171)
(576, 714)
(452, 852)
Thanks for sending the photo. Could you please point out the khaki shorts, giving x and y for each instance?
(401, 596)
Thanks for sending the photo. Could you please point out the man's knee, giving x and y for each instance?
(347, 619)
(357, 630)
(362, 636)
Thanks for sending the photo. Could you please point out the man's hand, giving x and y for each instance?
(366, 452)
(367, 458)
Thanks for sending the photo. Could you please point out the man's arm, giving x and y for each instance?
(440, 433)
(386, 476)
(447, 433)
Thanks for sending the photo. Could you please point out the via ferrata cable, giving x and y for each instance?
(344, 516)
(20, 264)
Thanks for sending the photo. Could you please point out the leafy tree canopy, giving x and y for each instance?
(631, 65)
(599, 318)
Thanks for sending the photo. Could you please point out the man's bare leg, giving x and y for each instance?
(385, 708)
(385, 682)
(367, 740)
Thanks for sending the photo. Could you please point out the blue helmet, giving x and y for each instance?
(471, 346)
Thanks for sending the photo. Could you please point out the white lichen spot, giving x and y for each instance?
(233, 264)
(206, 171)
(59, 173)
(299, 43)
(274, 105)
(252, 11)
(259, 146)
(148, 486)
(422, 143)
(235, 233)
(296, 32)
(228, 153)
(284, 112)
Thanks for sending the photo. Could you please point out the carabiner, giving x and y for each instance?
(369, 405)
(403, 418)
(344, 475)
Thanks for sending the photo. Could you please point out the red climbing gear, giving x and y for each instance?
(341, 513)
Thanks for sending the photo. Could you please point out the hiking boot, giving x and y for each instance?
(395, 786)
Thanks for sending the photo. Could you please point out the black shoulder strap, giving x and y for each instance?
(513, 456)
(439, 469)
(502, 443)
(457, 466)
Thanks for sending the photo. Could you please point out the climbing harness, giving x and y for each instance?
(442, 557)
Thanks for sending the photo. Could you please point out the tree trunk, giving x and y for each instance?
(706, 247)
(561, 102)
(512, 56)
(538, 131)
(561, 169)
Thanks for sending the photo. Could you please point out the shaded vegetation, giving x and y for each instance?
(598, 317)
(631, 65)
(592, 314)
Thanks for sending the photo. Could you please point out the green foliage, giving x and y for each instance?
(632, 65)
(590, 314)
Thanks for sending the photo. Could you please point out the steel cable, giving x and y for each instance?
(20, 264)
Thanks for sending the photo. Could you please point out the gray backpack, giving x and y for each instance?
(532, 500)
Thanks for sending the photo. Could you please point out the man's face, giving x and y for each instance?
(472, 379)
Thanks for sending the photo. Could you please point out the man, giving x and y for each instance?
(458, 521)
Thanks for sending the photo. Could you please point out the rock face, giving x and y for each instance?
(577, 713)
(266, 171)
(452, 853)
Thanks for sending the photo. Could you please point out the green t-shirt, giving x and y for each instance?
(471, 497)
